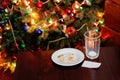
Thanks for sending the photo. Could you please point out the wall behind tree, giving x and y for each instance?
(112, 14)
(112, 23)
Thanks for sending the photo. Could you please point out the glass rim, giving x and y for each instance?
(87, 32)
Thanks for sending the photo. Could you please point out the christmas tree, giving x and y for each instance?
(47, 24)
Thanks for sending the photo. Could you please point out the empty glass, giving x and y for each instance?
(92, 44)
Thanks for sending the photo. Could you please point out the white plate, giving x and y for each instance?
(67, 57)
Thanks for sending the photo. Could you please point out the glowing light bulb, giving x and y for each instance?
(57, 1)
(55, 23)
(45, 24)
(76, 6)
(7, 27)
(50, 21)
(100, 14)
(32, 21)
(12, 67)
(27, 3)
(0, 36)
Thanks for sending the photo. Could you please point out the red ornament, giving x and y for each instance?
(29, 24)
(70, 13)
(71, 31)
(4, 3)
(39, 5)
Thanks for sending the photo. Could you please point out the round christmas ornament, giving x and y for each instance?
(39, 5)
(30, 23)
(35, 15)
(38, 31)
(2, 24)
(23, 45)
(4, 3)
(71, 31)
(2, 10)
(26, 27)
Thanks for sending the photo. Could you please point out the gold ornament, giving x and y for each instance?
(35, 15)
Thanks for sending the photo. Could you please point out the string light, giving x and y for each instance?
(76, 6)
(50, 21)
(57, 1)
(100, 14)
(27, 3)
(32, 21)
(0, 37)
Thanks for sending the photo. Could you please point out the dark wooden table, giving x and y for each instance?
(38, 66)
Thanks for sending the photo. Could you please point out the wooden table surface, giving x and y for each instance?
(39, 66)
